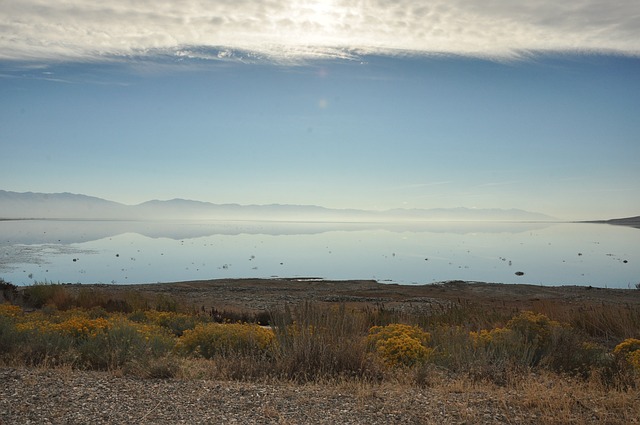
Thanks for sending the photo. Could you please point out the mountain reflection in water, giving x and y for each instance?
(413, 253)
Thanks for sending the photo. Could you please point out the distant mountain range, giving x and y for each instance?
(14, 205)
(627, 221)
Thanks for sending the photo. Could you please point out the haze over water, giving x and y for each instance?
(147, 252)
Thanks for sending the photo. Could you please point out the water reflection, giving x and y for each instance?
(137, 251)
(71, 232)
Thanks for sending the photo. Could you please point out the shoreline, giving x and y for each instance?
(256, 295)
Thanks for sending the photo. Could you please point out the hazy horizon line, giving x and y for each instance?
(284, 204)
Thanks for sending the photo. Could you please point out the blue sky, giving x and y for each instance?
(322, 103)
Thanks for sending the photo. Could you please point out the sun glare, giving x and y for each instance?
(320, 16)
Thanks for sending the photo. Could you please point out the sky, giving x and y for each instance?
(341, 103)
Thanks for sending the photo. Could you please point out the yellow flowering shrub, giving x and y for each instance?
(176, 323)
(535, 328)
(10, 310)
(537, 332)
(627, 346)
(208, 340)
(73, 323)
(96, 340)
(494, 343)
(400, 345)
(634, 359)
(296, 329)
(535, 340)
(486, 337)
(82, 327)
(630, 350)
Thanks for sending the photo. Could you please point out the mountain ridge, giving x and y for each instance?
(34, 205)
(625, 221)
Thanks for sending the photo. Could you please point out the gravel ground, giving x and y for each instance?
(74, 397)
(40, 396)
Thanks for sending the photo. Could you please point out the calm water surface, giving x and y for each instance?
(146, 252)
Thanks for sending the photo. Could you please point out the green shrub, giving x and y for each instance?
(569, 353)
(43, 346)
(40, 294)
(9, 337)
(215, 339)
(176, 323)
(8, 291)
(122, 342)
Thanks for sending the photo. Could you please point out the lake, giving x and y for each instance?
(416, 253)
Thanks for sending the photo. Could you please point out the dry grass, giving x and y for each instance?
(606, 323)
(555, 365)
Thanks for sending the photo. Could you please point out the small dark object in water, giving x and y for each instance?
(519, 273)
(625, 261)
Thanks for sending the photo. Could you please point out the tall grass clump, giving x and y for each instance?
(465, 314)
(527, 342)
(321, 343)
(41, 294)
(68, 296)
(606, 322)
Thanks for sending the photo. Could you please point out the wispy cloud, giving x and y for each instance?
(290, 30)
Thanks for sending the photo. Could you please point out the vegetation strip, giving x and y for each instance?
(599, 349)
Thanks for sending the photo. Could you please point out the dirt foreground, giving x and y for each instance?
(40, 396)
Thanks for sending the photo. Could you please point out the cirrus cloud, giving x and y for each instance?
(286, 30)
